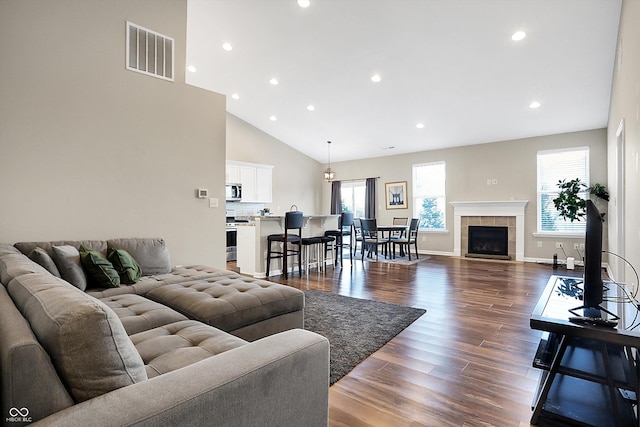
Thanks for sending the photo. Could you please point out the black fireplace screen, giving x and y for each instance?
(485, 240)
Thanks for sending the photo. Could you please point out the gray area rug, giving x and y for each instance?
(354, 327)
(399, 260)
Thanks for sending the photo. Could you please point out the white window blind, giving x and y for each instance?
(554, 166)
(429, 196)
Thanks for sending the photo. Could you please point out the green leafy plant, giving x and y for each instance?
(570, 205)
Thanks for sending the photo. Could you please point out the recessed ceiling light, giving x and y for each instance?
(310, 107)
(518, 35)
(274, 81)
(235, 96)
(304, 3)
(534, 105)
(420, 125)
(273, 118)
(227, 47)
(191, 69)
(376, 78)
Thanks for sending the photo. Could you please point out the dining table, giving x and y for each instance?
(391, 229)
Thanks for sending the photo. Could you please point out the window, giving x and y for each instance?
(429, 195)
(554, 166)
(353, 195)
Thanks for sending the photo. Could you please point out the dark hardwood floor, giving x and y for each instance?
(465, 362)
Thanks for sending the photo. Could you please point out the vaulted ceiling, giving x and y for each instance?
(450, 73)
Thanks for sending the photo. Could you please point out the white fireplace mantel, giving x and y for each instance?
(513, 208)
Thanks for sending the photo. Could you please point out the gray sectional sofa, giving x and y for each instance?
(190, 345)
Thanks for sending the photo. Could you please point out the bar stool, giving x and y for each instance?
(292, 221)
(344, 229)
(319, 244)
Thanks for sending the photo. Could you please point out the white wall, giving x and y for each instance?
(512, 163)
(89, 150)
(625, 105)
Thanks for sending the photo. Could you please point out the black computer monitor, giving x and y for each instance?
(593, 285)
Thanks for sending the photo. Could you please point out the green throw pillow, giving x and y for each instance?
(126, 266)
(99, 270)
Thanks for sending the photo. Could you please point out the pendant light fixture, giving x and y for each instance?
(329, 174)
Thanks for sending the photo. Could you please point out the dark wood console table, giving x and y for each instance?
(590, 374)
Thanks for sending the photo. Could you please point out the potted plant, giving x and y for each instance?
(570, 205)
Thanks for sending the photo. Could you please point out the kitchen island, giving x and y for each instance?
(252, 240)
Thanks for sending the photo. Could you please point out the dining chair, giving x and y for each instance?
(344, 230)
(398, 233)
(371, 238)
(356, 236)
(292, 221)
(410, 239)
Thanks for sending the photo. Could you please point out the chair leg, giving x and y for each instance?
(284, 260)
(268, 258)
(299, 260)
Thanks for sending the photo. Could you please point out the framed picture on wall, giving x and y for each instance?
(396, 193)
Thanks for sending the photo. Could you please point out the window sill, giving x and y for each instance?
(559, 234)
(433, 231)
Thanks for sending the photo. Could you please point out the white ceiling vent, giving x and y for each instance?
(149, 52)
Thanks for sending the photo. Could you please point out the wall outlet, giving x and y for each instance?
(575, 246)
(539, 243)
(213, 202)
(424, 238)
(582, 246)
(558, 245)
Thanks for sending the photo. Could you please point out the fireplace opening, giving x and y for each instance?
(488, 242)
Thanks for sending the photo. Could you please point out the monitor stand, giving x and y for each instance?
(593, 312)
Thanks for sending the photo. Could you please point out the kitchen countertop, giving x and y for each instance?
(280, 217)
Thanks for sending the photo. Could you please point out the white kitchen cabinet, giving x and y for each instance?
(233, 173)
(256, 181)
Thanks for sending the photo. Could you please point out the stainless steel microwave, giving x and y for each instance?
(233, 192)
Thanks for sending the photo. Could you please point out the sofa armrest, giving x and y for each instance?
(280, 380)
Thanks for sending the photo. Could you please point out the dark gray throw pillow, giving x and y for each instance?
(40, 256)
(67, 259)
(99, 271)
(126, 266)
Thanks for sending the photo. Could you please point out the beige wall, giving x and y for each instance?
(512, 163)
(624, 231)
(89, 150)
(297, 179)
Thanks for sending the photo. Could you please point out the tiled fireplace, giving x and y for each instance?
(508, 214)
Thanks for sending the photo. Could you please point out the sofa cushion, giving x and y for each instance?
(179, 344)
(43, 258)
(177, 275)
(229, 302)
(99, 271)
(28, 379)
(126, 266)
(67, 259)
(84, 338)
(139, 314)
(14, 263)
(152, 254)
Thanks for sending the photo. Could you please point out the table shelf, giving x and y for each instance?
(589, 374)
